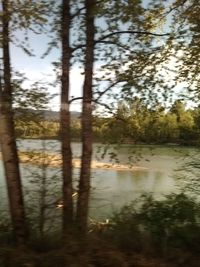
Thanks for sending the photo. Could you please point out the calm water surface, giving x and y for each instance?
(113, 188)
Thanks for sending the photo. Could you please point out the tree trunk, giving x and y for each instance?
(8, 141)
(65, 120)
(84, 182)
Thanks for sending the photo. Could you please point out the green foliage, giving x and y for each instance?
(136, 122)
(188, 174)
(146, 233)
(42, 192)
(37, 129)
(158, 225)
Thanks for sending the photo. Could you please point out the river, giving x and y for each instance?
(113, 188)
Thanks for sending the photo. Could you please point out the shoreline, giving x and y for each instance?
(54, 160)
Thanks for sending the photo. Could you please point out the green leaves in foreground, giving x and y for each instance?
(158, 225)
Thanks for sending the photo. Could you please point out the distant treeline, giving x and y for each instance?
(133, 123)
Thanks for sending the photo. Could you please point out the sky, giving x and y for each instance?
(41, 69)
(36, 68)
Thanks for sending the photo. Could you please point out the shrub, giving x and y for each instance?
(158, 225)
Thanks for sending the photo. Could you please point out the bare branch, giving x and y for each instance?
(102, 39)
(100, 94)
(173, 8)
(113, 43)
(73, 49)
(75, 99)
(130, 32)
(106, 90)
(110, 110)
(78, 12)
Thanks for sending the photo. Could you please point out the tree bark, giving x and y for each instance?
(84, 182)
(65, 120)
(8, 140)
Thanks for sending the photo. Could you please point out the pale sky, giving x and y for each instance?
(37, 68)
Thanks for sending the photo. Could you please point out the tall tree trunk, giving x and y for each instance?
(65, 120)
(84, 182)
(8, 141)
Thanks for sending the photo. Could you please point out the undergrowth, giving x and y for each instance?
(145, 233)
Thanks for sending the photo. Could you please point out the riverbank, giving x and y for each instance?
(54, 160)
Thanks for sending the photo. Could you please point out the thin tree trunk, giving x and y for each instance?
(43, 188)
(8, 141)
(65, 120)
(84, 182)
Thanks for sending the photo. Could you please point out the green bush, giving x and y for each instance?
(158, 225)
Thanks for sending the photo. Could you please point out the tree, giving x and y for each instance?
(16, 15)
(84, 181)
(186, 19)
(65, 118)
(107, 43)
(180, 53)
(7, 137)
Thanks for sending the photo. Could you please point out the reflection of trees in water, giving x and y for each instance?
(4, 211)
(188, 175)
(113, 189)
(140, 180)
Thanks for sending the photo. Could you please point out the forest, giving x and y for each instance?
(139, 63)
(132, 123)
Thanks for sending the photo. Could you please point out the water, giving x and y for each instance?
(113, 188)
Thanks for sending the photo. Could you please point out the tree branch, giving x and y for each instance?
(130, 32)
(113, 43)
(110, 110)
(73, 49)
(75, 99)
(78, 12)
(106, 90)
(173, 8)
(102, 39)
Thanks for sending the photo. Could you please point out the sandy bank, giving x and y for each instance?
(54, 160)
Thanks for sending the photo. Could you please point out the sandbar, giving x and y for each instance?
(54, 160)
